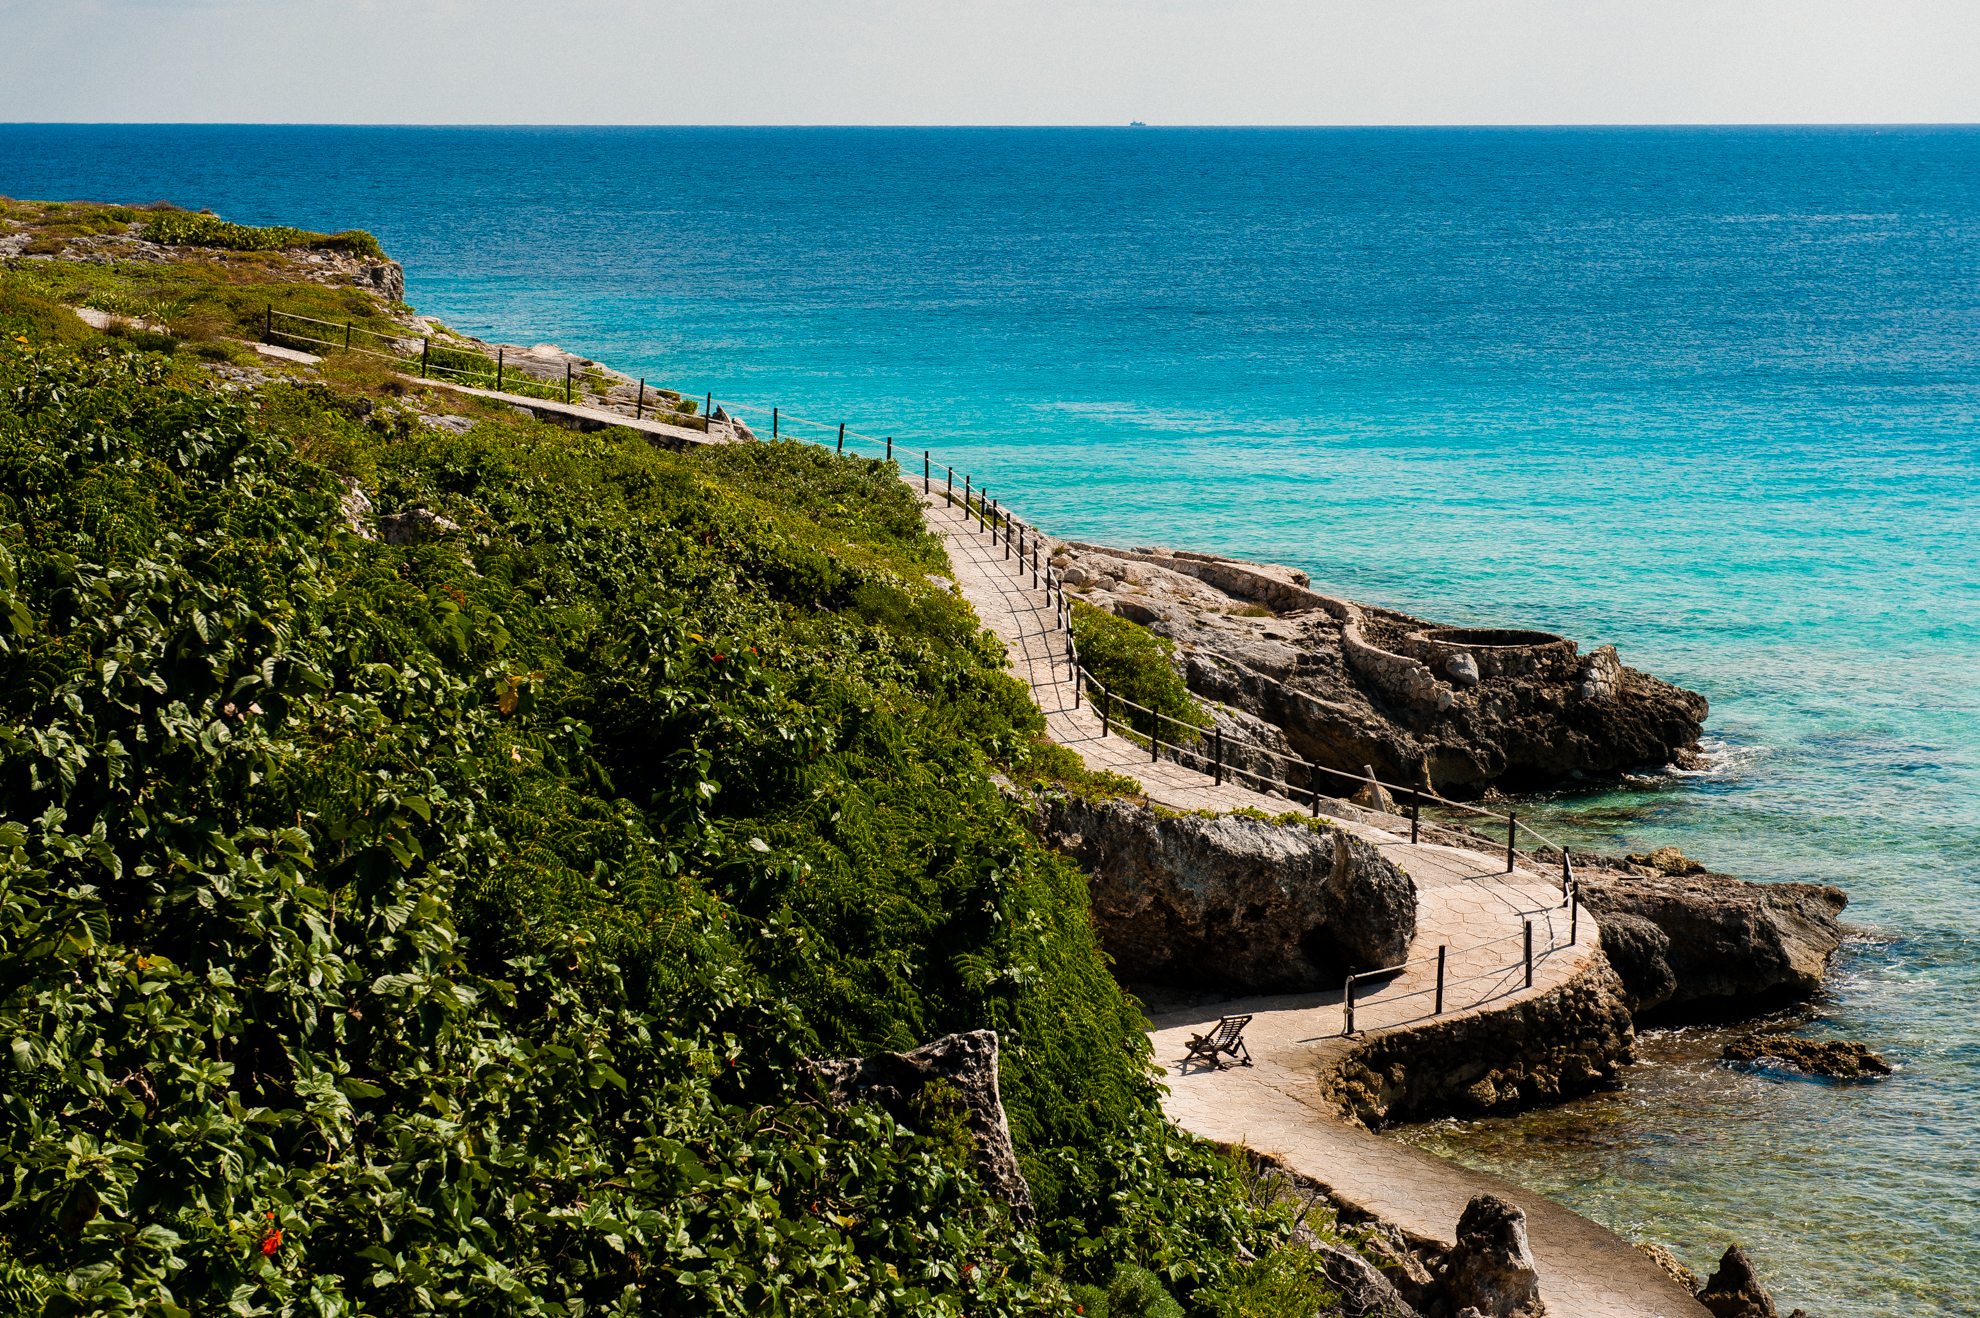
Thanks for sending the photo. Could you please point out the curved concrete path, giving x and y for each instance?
(1466, 901)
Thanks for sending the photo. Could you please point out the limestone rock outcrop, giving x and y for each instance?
(1710, 943)
(1640, 952)
(388, 280)
(1831, 1057)
(1231, 902)
(411, 527)
(1350, 684)
(1491, 1270)
(1734, 1291)
(968, 1063)
(1364, 1291)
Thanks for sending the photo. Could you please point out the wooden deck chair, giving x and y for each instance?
(1227, 1039)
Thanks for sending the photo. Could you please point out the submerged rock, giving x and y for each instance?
(1669, 1262)
(968, 1063)
(1230, 902)
(1833, 1057)
(1492, 1270)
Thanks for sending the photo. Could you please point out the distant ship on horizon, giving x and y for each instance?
(1136, 123)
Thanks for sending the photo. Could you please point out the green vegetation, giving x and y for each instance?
(196, 300)
(25, 317)
(180, 229)
(405, 929)
(1135, 664)
(1050, 766)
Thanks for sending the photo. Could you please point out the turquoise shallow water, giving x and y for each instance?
(1707, 394)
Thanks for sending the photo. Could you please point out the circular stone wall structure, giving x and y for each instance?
(1498, 653)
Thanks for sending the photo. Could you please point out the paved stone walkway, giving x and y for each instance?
(1467, 903)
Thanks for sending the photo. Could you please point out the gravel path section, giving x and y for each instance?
(1466, 903)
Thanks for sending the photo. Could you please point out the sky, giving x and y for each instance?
(991, 61)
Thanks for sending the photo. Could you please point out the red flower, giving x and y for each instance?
(720, 657)
(272, 1242)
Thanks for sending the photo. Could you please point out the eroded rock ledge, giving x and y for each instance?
(1230, 902)
(1349, 684)
(1700, 944)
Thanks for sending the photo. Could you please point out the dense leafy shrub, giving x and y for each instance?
(1135, 664)
(441, 927)
(182, 229)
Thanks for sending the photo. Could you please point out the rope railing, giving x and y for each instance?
(1217, 765)
(1443, 982)
(498, 369)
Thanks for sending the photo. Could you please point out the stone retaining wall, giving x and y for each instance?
(1566, 1041)
(1498, 653)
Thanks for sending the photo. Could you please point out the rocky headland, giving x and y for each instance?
(1348, 685)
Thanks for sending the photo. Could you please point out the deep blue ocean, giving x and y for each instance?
(1710, 395)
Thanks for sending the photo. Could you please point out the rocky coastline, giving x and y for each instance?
(1348, 685)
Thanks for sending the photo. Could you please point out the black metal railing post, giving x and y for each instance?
(1415, 812)
(1316, 796)
(1529, 954)
(1154, 737)
(1347, 1026)
(1512, 828)
(1441, 950)
(1217, 740)
(567, 382)
(1072, 662)
(501, 361)
(707, 406)
(1106, 708)
(949, 493)
(927, 471)
(773, 423)
(639, 407)
(890, 448)
(425, 352)
(842, 437)
(1574, 915)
